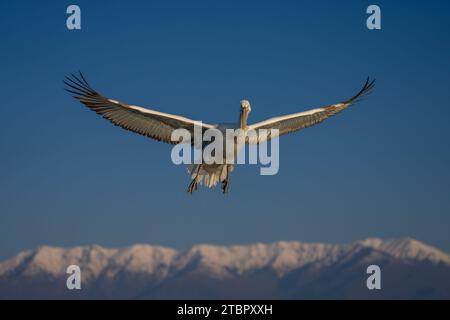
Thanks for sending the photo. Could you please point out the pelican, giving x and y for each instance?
(159, 125)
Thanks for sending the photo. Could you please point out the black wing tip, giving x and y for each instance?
(365, 90)
(79, 84)
(370, 83)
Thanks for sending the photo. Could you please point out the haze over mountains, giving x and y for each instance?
(281, 270)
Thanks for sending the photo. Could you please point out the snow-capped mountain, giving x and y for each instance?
(410, 269)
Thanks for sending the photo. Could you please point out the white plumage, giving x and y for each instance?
(159, 125)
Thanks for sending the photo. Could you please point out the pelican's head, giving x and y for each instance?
(245, 106)
(245, 110)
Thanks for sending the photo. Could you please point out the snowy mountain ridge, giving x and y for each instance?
(218, 261)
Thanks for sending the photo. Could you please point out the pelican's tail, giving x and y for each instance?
(210, 175)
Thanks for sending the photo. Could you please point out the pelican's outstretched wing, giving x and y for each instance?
(154, 124)
(296, 121)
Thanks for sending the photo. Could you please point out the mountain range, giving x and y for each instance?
(409, 268)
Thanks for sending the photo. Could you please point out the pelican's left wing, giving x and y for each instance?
(305, 119)
(153, 124)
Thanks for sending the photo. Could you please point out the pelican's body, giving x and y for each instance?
(160, 126)
(211, 174)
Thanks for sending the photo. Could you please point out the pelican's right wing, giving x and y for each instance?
(154, 124)
(297, 121)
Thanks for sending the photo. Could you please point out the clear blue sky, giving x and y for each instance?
(382, 168)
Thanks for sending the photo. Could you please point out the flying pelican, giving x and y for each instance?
(159, 125)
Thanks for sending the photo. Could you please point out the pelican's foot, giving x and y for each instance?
(225, 186)
(192, 186)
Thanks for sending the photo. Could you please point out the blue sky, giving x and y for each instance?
(67, 177)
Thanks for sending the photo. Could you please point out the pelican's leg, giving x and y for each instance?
(193, 185)
(226, 181)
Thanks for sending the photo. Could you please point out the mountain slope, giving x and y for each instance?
(291, 270)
